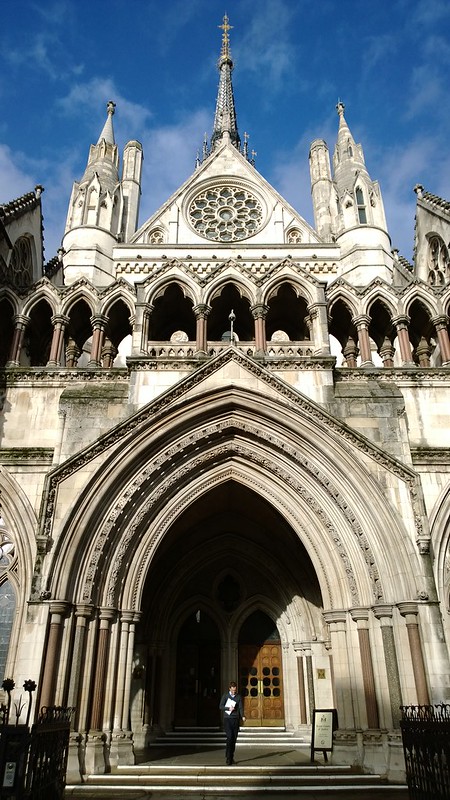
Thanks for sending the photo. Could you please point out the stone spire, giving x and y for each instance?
(108, 131)
(348, 156)
(225, 116)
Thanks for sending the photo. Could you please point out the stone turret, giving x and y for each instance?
(103, 209)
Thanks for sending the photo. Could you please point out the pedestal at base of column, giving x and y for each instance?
(121, 751)
(375, 752)
(95, 756)
(74, 759)
(347, 748)
(396, 770)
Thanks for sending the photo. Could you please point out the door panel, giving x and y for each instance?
(261, 683)
(197, 692)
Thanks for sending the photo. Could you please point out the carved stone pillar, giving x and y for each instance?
(259, 312)
(301, 684)
(361, 617)
(409, 610)
(384, 615)
(362, 326)
(387, 352)
(109, 353)
(99, 323)
(423, 352)
(441, 326)
(310, 682)
(337, 621)
(58, 609)
(350, 353)
(121, 743)
(73, 353)
(20, 323)
(320, 339)
(59, 323)
(201, 312)
(82, 614)
(401, 323)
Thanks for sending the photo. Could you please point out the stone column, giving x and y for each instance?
(73, 353)
(310, 683)
(259, 312)
(387, 352)
(337, 621)
(301, 684)
(362, 326)
(441, 325)
(423, 352)
(82, 614)
(20, 323)
(320, 338)
(99, 323)
(58, 610)
(384, 615)
(409, 610)
(361, 617)
(401, 323)
(95, 759)
(121, 743)
(59, 322)
(350, 353)
(201, 312)
(109, 353)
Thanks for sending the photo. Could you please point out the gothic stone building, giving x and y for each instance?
(225, 451)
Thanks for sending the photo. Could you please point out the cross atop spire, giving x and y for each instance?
(225, 116)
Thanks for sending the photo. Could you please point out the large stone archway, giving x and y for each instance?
(227, 555)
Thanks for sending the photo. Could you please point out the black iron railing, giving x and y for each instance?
(426, 745)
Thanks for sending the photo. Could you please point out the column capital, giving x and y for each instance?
(259, 311)
(60, 319)
(361, 321)
(84, 610)
(410, 609)
(440, 321)
(59, 607)
(335, 617)
(401, 321)
(201, 310)
(99, 321)
(360, 616)
(21, 320)
(107, 614)
(383, 612)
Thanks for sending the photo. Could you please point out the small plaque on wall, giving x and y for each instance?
(324, 723)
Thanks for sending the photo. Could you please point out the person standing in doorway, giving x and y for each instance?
(233, 712)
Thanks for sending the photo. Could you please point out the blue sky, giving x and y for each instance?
(389, 61)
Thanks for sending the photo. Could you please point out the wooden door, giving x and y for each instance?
(261, 683)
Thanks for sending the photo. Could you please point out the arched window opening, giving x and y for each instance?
(172, 312)
(421, 334)
(79, 335)
(343, 330)
(219, 323)
(362, 216)
(6, 330)
(38, 336)
(438, 262)
(21, 262)
(287, 313)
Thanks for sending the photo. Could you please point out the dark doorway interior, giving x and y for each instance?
(198, 673)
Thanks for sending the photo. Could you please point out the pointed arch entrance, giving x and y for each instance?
(261, 671)
(216, 603)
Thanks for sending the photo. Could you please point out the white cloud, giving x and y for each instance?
(16, 178)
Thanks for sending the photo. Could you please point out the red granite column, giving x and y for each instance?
(362, 326)
(73, 353)
(401, 323)
(58, 610)
(361, 617)
(59, 323)
(423, 352)
(259, 315)
(301, 686)
(387, 352)
(350, 352)
(109, 353)
(409, 610)
(101, 666)
(201, 315)
(441, 325)
(99, 324)
(20, 322)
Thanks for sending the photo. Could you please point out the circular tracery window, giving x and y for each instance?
(226, 213)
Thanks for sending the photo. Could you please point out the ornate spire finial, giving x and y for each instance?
(340, 107)
(225, 116)
(225, 27)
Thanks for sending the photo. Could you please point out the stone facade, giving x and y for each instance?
(226, 433)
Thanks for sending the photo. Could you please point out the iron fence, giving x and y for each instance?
(426, 745)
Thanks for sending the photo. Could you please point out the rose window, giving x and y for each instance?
(226, 214)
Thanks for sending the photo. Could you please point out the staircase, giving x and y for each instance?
(190, 762)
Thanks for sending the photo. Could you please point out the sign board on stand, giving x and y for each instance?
(323, 724)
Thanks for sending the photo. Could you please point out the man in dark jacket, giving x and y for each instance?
(233, 712)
